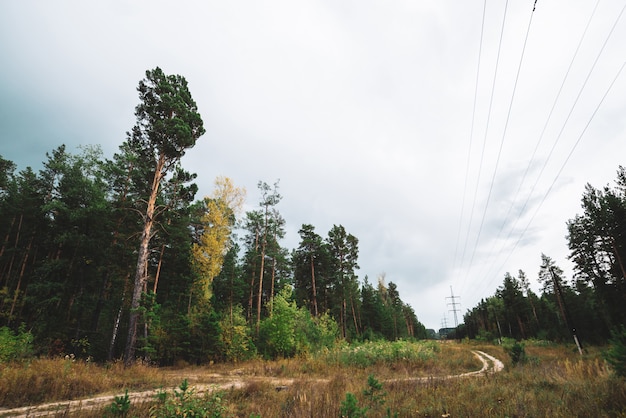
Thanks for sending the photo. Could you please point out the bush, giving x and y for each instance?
(517, 353)
(120, 406)
(235, 342)
(616, 354)
(15, 346)
(350, 408)
(291, 331)
(186, 404)
(277, 333)
(384, 352)
(374, 396)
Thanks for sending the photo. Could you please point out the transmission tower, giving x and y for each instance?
(444, 322)
(454, 305)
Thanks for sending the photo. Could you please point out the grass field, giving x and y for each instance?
(375, 379)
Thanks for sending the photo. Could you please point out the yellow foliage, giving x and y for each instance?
(218, 220)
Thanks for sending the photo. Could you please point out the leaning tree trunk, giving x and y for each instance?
(142, 263)
(19, 281)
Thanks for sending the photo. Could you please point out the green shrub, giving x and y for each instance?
(120, 405)
(516, 352)
(15, 346)
(292, 331)
(350, 408)
(374, 396)
(235, 342)
(616, 354)
(384, 352)
(277, 333)
(186, 404)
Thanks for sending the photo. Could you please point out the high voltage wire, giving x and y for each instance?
(469, 151)
(506, 124)
(503, 137)
(566, 160)
(532, 158)
(495, 74)
(560, 133)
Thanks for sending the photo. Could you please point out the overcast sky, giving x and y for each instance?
(452, 160)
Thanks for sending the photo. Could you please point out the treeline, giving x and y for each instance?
(592, 303)
(105, 257)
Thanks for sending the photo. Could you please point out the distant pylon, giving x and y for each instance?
(454, 304)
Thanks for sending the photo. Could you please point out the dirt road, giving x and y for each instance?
(65, 408)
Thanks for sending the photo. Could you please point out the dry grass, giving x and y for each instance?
(555, 382)
(46, 380)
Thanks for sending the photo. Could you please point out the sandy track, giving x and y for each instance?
(65, 408)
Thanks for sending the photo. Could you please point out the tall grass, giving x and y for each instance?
(45, 380)
(555, 382)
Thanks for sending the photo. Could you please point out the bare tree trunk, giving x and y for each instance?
(142, 263)
(17, 239)
(116, 324)
(532, 305)
(272, 287)
(263, 247)
(409, 326)
(343, 318)
(619, 260)
(356, 325)
(19, 281)
(521, 326)
(315, 312)
(158, 272)
(258, 297)
(251, 298)
(7, 236)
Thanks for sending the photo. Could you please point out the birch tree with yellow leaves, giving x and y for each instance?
(214, 241)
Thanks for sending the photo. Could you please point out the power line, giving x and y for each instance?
(482, 155)
(564, 163)
(493, 178)
(469, 151)
(561, 132)
(532, 158)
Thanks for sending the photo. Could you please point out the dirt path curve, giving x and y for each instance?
(490, 365)
(65, 408)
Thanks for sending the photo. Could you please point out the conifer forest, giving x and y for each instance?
(116, 257)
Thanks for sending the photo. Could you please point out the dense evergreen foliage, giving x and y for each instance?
(82, 272)
(589, 305)
(104, 257)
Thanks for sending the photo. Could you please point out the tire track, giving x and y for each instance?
(490, 365)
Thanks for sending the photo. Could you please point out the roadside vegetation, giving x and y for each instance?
(105, 261)
(375, 379)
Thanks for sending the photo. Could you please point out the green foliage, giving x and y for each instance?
(185, 403)
(374, 396)
(374, 392)
(516, 352)
(277, 333)
(150, 312)
(291, 330)
(314, 334)
(350, 408)
(15, 346)
(235, 340)
(384, 352)
(616, 354)
(326, 332)
(120, 406)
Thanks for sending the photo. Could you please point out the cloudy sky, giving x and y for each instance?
(452, 138)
